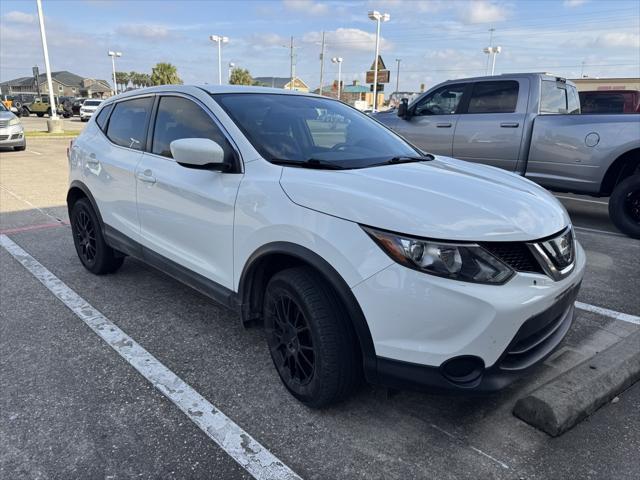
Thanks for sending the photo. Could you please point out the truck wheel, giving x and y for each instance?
(311, 344)
(40, 114)
(624, 206)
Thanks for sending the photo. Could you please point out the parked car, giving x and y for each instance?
(529, 124)
(359, 256)
(11, 131)
(88, 108)
(41, 107)
(77, 104)
(610, 101)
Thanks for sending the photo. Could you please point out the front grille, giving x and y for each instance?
(4, 123)
(4, 137)
(515, 254)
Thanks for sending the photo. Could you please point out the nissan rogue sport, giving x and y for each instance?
(361, 255)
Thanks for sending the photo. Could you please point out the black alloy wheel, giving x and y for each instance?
(632, 206)
(624, 205)
(290, 340)
(85, 232)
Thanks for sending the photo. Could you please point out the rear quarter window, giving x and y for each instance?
(103, 116)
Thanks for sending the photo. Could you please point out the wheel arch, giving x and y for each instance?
(622, 167)
(277, 256)
(78, 190)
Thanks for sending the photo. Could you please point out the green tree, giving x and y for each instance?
(240, 76)
(165, 74)
(122, 78)
(134, 78)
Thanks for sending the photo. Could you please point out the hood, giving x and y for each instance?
(442, 199)
(6, 116)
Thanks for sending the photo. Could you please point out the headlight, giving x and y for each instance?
(14, 121)
(467, 262)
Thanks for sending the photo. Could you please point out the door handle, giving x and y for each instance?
(443, 125)
(146, 176)
(510, 125)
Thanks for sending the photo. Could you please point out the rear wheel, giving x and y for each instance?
(93, 251)
(40, 114)
(624, 206)
(311, 344)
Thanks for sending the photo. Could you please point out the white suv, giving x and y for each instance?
(361, 255)
(88, 108)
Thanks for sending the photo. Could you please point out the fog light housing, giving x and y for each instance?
(465, 371)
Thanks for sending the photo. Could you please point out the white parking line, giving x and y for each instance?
(582, 200)
(243, 448)
(33, 151)
(599, 232)
(625, 317)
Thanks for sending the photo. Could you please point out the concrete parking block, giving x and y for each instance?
(563, 402)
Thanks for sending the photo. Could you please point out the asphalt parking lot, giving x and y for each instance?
(71, 407)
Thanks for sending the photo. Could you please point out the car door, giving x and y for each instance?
(432, 119)
(111, 161)
(186, 214)
(491, 123)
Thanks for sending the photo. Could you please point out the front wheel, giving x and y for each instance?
(93, 251)
(624, 206)
(310, 340)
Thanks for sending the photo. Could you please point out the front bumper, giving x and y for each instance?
(422, 325)
(12, 136)
(86, 115)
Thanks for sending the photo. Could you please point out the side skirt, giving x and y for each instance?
(211, 289)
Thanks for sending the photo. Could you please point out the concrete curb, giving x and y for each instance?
(572, 396)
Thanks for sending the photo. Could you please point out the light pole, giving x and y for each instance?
(338, 60)
(231, 66)
(113, 56)
(398, 60)
(493, 51)
(378, 18)
(52, 105)
(219, 39)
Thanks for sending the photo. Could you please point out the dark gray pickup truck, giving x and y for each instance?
(530, 124)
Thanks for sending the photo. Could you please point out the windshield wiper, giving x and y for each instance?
(407, 159)
(308, 163)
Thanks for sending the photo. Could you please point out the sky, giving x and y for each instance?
(435, 40)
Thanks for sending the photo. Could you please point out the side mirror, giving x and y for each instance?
(403, 108)
(200, 153)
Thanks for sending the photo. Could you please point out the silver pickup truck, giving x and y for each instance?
(530, 123)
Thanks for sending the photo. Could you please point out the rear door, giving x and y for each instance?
(111, 161)
(491, 124)
(186, 214)
(433, 119)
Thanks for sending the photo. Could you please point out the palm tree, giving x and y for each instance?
(240, 76)
(122, 78)
(165, 74)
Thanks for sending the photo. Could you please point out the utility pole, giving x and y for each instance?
(292, 68)
(491, 30)
(378, 18)
(53, 123)
(322, 63)
(398, 60)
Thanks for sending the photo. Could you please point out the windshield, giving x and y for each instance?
(92, 103)
(297, 128)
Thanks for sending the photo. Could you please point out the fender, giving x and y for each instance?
(251, 274)
(81, 186)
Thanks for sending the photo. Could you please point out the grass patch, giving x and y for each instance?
(43, 134)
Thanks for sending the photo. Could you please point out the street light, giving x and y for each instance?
(53, 117)
(338, 60)
(219, 39)
(492, 51)
(113, 56)
(378, 18)
(231, 66)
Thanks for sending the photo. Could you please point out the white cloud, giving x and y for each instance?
(19, 17)
(268, 40)
(481, 11)
(306, 6)
(348, 39)
(146, 31)
(620, 39)
(574, 3)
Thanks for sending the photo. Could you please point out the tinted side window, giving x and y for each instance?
(443, 101)
(181, 118)
(127, 125)
(103, 116)
(557, 97)
(494, 97)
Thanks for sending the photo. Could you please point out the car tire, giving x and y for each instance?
(40, 114)
(94, 253)
(310, 339)
(20, 148)
(624, 206)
